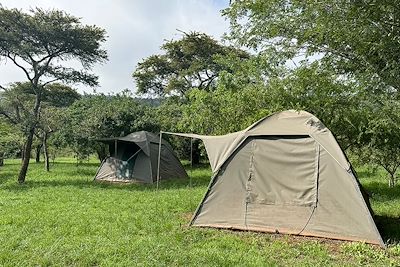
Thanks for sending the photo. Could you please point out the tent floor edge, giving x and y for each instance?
(290, 232)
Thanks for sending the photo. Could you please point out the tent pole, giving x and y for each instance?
(191, 162)
(131, 157)
(115, 148)
(159, 159)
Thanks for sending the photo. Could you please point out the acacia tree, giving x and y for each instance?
(38, 43)
(191, 62)
(56, 99)
(17, 102)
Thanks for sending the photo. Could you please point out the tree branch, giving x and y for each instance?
(209, 82)
(7, 116)
(20, 66)
(51, 54)
(46, 83)
(44, 68)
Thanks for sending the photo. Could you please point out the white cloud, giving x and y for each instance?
(136, 29)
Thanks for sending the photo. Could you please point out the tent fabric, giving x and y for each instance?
(290, 122)
(285, 173)
(135, 158)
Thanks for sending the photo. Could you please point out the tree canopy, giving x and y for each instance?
(33, 41)
(98, 116)
(358, 38)
(40, 43)
(190, 62)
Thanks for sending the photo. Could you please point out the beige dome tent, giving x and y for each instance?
(135, 158)
(284, 174)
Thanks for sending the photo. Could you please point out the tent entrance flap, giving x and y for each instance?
(114, 169)
(283, 171)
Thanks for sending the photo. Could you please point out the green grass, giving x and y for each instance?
(63, 218)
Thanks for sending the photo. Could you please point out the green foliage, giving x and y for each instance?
(16, 104)
(190, 62)
(11, 139)
(38, 43)
(40, 37)
(383, 135)
(100, 116)
(223, 111)
(355, 37)
(59, 95)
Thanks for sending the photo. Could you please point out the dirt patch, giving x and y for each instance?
(187, 216)
(333, 246)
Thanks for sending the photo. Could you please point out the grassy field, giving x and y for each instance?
(62, 218)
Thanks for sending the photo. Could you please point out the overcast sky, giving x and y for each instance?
(136, 29)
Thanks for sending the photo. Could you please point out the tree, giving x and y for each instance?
(359, 38)
(56, 99)
(190, 62)
(10, 140)
(382, 139)
(37, 43)
(99, 116)
(17, 101)
(193, 62)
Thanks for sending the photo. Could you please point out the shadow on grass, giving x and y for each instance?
(6, 176)
(382, 192)
(198, 181)
(388, 228)
(87, 172)
(53, 164)
(82, 164)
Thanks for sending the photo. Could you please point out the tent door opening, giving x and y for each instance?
(282, 179)
(127, 153)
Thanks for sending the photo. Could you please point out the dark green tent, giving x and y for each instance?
(135, 157)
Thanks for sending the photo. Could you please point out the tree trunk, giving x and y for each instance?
(26, 156)
(29, 139)
(22, 153)
(392, 180)
(46, 152)
(196, 152)
(38, 149)
(101, 152)
(1, 158)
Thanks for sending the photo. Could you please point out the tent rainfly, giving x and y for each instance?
(284, 174)
(135, 158)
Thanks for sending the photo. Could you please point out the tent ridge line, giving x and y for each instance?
(327, 151)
